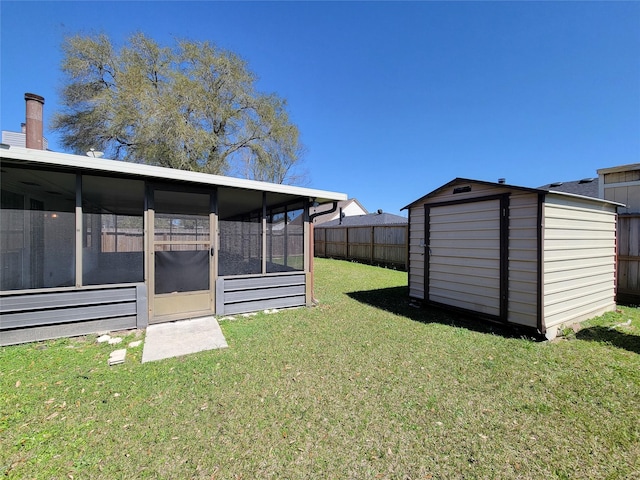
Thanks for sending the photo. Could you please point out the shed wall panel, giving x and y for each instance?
(579, 261)
(416, 252)
(523, 260)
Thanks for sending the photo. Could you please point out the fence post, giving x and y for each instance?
(346, 235)
(371, 243)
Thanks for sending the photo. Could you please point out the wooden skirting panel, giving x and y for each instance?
(30, 317)
(251, 294)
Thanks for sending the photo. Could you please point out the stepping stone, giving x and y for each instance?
(117, 356)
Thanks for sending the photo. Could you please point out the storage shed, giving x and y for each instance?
(523, 256)
(89, 244)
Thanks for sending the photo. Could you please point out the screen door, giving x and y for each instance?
(182, 255)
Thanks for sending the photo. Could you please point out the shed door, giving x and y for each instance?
(465, 267)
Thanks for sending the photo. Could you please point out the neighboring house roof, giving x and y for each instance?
(19, 139)
(348, 207)
(369, 220)
(587, 187)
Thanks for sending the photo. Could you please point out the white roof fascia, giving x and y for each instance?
(584, 197)
(45, 157)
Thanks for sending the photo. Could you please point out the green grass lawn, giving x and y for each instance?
(361, 386)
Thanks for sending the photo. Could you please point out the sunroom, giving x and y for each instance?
(91, 245)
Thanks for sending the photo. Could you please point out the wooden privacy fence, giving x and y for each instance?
(629, 257)
(378, 245)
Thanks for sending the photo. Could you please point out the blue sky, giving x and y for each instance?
(393, 99)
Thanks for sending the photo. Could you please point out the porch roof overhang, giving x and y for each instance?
(45, 158)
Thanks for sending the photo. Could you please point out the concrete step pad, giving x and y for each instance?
(174, 339)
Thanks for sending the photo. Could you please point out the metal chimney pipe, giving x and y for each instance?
(34, 128)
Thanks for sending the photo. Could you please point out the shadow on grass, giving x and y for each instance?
(396, 300)
(610, 336)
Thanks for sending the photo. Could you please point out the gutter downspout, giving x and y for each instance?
(333, 209)
(312, 251)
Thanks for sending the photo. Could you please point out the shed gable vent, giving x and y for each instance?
(466, 188)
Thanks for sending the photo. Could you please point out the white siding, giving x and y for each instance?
(579, 260)
(464, 262)
(18, 139)
(352, 209)
(523, 259)
(416, 252)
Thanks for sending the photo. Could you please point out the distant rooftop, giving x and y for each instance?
(371, 219)
(587, 187)
(19, 139)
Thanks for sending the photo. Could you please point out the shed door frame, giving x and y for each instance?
(504, 253)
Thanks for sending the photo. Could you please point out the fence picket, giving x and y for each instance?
(378, 245)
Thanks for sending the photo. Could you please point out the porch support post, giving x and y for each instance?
(213, 246)
(264, 233)
(96, 236)
(308, 251)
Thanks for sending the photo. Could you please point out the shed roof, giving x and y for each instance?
(100, 165)
(368, 220)
(459, 181)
